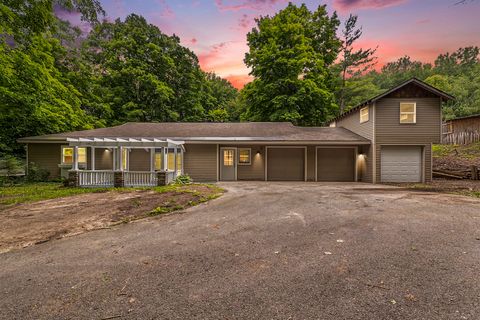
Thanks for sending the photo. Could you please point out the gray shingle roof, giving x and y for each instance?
(207, 131)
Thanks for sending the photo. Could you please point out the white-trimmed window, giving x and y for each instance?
(364, 115)
(170, 159)
(408, 112)
(244, 156)
(67, 155)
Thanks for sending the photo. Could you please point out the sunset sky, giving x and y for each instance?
(216, 29)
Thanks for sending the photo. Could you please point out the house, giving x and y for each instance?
(385, 139)
(463, 130)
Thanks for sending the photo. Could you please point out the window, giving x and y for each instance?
(244, 156)
(158, 159)
(228, 158)
(67, 155)
(408, 112)
(170, 159)
(364, 115)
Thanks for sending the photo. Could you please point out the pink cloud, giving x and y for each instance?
(212, 56)
(166, 11)
(235, 5)
(74, 17)
(346, 5)
(423, 21)
(245, 22)
(239, 80)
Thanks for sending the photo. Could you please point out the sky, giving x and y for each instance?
(216, 29)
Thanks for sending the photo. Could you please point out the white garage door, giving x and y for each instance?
(401, 163)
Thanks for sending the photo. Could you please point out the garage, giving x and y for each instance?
(286, 164)
(401, 164)
(336, 164)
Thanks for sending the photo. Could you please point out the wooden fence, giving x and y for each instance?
(465, 137)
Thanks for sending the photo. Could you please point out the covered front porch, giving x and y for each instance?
(124, 162)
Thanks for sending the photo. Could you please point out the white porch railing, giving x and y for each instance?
(139, 179)
(169, 176)
(98, 178)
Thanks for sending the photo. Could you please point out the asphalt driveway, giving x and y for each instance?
(263, 251)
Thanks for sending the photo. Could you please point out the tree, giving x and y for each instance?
(353, 62)
(23, 19)
(148, 76)
(221, 100)
(34, 97)
(403, 69)
(290, 54)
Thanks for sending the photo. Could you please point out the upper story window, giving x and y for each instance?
(244, 156)
(408, 112)
(364, 115)
(67, 155)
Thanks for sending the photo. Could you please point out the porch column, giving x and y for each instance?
(175, 159)
(92, 158)
(75, 158)
(114, 161)
(182, 154)
(165, 158)
(120, 159)
(152, 159)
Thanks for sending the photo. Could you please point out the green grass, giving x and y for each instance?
(474, 194)
(30, 192)
(471, 151)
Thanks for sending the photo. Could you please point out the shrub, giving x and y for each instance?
(183, 179)
(37, 174)
(11, 170)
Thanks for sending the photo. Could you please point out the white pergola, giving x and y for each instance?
(119, 144)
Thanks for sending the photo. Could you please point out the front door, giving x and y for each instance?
(228, 164)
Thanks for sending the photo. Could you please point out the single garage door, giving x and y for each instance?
(401, 163)
(335, 164)
(286, 164)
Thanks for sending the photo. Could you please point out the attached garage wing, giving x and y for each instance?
(336, 164)
(401, 163)
(285, 164)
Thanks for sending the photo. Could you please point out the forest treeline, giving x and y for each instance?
(54, 78)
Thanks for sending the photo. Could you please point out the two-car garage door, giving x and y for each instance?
(401, 163)
(332, 164)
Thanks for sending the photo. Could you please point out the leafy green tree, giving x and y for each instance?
(34, 97)
(290, 54)
(24, 18)
(403, 69)
(149, 76)
(221, 99)
(353, 63)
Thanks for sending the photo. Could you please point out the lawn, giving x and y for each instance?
(30, 192)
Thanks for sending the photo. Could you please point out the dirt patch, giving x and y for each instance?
(456, 157)
(38, 222)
